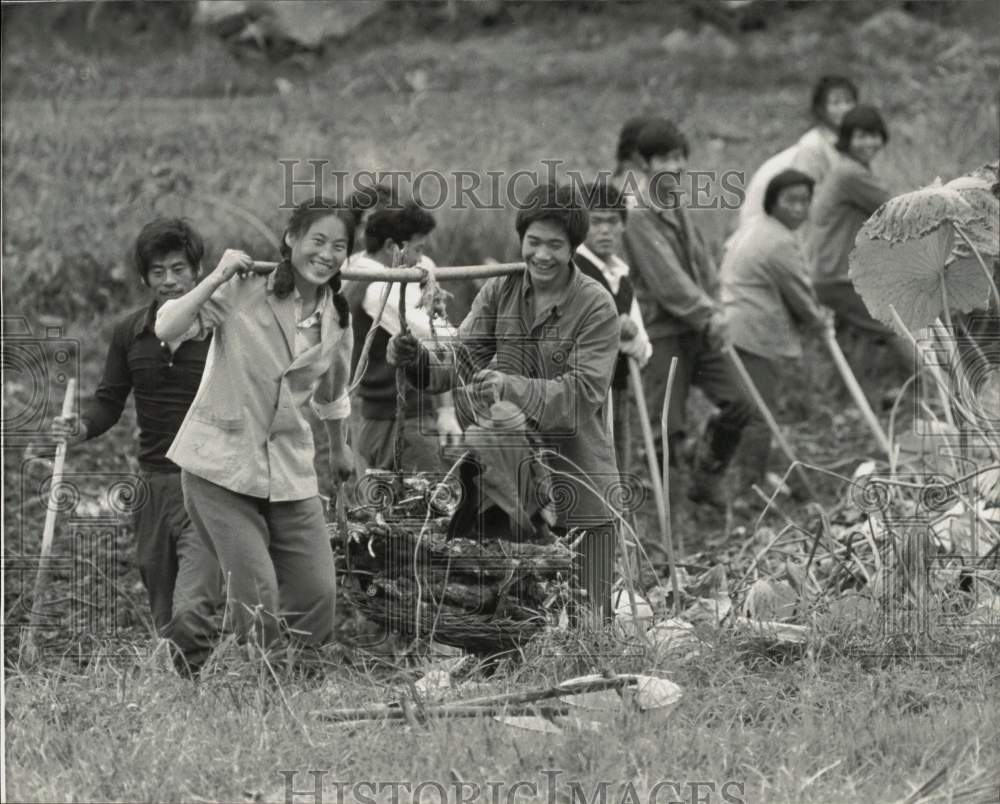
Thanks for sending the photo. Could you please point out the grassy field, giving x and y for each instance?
(91, 126)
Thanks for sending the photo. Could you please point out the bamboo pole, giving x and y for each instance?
(668, 536)
(628, 577)
(522, 710)
(830, 339)
(399, 431)
(443, 274)
(635, 383)
(28, 650)
(772, 423)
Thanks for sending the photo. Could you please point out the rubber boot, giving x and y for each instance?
(751, 465)
(711, 458)
(708, 476)
(755, 449)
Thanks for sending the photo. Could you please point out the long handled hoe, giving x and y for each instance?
(29, 650)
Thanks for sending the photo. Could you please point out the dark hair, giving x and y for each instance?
(378, 196)
(629, 136)
(603, 196)
(659, 137)
(860, 118)
(558, 205)
(301, 219)
(787, 178)
(822, 91)
(163, 236)
(398, 225)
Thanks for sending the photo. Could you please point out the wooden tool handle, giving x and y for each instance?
(48, 533)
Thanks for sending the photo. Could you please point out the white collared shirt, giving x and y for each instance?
(307, 330)
(613, 271)
(418, 320)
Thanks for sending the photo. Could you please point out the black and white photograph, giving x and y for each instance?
(578, 401)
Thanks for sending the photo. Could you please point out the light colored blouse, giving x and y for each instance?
(246, 430)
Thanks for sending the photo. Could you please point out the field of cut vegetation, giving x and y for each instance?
(842, 698)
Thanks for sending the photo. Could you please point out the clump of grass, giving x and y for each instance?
(822, 727)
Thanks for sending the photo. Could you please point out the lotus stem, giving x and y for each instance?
(668, 536)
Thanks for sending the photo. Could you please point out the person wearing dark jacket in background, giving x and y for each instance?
(676, 282)
(180, 573)
(630, 176)
(597, 257)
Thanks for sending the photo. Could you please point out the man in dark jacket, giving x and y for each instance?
(597, 257)
(179, 571)
(676, 283)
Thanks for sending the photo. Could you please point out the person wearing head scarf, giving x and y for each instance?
(769, 303)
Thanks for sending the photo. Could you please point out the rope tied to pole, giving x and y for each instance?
(401, 381)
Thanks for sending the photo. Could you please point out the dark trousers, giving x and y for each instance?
(855, 323)
(700, 365)
(622, 424)
(373, 442)
(276, 561)
(179, 571)
(755, 445)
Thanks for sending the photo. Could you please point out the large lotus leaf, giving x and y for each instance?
(916, 214)
(984, 232)
(908, 276)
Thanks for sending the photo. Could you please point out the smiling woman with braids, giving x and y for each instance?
(245, 448)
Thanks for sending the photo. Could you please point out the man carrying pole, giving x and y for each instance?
(543, 342)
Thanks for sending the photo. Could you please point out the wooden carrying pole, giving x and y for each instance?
(830, 339)
(443, 274)
(772, 423)
(48, 532)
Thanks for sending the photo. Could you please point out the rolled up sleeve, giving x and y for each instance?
(787, 267)
(221, 304)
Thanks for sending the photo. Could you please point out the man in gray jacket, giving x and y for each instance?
(676, 282)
